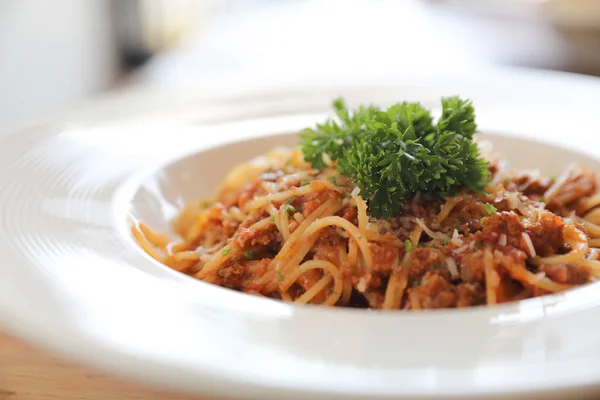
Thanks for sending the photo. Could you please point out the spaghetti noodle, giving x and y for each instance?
(280, 229)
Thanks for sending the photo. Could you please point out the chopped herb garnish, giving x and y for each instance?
(272, 217)
(489, 208)
(224, 252)
(332, 179)
(249, 255)
(553, 179)
(415, 283)
(446, 240)
(481, 220)
(359, 237)
(330, 291)
(279, 276)
(542, 199)
(408, 246)
(288, 207)
(304, 183)
(392, 153)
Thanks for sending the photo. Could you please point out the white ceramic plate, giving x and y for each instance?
(72, 280)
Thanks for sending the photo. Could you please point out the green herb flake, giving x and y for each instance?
(272, 217)
(249, 255)
(391, 154)
(304, 183)
(290, 209)
(553, 179)
(330, 291)
(446, 240)
(408, 246)
(415, 283)
(279, 276)
(489, 208)
(482, 220)
(542, 199)
(224, 252)
(333, 179)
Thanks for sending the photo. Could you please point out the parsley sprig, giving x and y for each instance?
(390, 154)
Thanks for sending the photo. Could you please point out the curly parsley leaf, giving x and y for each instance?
(393, 153)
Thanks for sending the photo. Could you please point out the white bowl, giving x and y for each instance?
(74, 281)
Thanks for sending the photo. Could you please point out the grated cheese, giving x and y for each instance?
(461, 249)
(452, 268)
(502, 240)
(529, 244)
(432, 234)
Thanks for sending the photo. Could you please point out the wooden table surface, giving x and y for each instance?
(30, 374)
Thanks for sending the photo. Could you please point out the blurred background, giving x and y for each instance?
(54, 55)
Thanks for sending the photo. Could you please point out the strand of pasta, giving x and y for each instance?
(277, 220)
(176, 247)
(447, 207)
(592, 229)
(285, 296)
(587, 204)
(593, 266)
(197, 227)
(396, 285)
(578, 242)
(387, 238)
(593, 216)
(228, 252)
(180, 260)
(558, 183)
(288, 250)
(237, 214)
(415, 235)
(414, 302)
(350, 229)
(363, 223)
(314, 290)
(492, 279)
(334, 274)
(361, 211)
(158, 239)
(518, 272)
(139, 236)
(285, 223)
(261, 201)
(346, 275)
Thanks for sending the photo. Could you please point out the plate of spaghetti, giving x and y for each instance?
(438, 240)
(294, 225)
